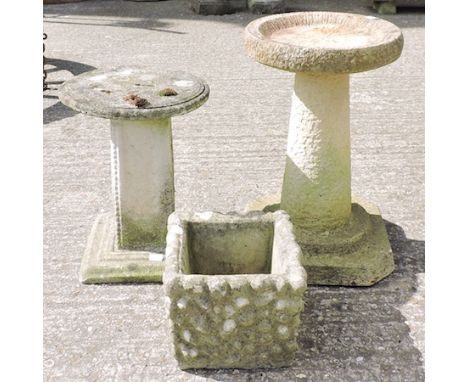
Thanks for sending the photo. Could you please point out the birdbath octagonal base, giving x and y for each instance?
(356, 254)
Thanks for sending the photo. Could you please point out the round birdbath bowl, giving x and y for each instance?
(323, 42)
(343, 242)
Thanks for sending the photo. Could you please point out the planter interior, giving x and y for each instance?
(218, 249)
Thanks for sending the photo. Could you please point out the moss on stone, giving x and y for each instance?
(142, 235)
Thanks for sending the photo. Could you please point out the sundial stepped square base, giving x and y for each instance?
(235, 289)
(103, 262)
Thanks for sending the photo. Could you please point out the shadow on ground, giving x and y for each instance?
(58, 111)
(147, 15)
(354, 333)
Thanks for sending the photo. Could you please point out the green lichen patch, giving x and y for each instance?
(142, 235)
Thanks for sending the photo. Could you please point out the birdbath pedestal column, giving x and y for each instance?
(344, 242)
(128, 245)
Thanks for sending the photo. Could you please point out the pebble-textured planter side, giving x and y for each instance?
(233, 320)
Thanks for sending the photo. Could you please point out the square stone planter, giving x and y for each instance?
(234, 287)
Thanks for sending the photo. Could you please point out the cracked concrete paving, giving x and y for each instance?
(228, 152)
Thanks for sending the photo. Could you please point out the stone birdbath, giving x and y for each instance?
(235, 288)
(128, 245)
(344, 242)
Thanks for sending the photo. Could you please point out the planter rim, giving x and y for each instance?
(293, 273)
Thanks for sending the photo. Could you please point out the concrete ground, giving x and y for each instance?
(228, 152)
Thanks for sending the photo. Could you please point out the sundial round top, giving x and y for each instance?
(323, 42)
(134, 93)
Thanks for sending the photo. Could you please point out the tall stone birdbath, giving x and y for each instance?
(128, 245)
(344, 242)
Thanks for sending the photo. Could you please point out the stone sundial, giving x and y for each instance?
(128, 245)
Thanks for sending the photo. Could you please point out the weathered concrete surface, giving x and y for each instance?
(224, 158)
